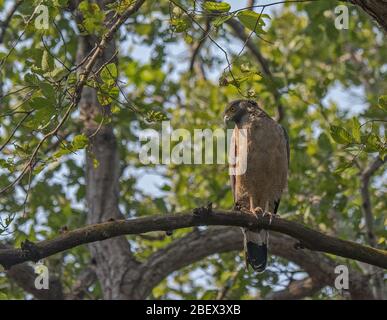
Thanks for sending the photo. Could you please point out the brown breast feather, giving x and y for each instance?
(266, 176)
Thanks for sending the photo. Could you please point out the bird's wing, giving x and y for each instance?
(286, 136)
(232, 181)
(233, 150)
(287, 143)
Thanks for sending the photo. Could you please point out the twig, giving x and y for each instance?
(14, 131)
(4, 25)
(209, 36)
(90, 62)
(239, 31)
(199, 44)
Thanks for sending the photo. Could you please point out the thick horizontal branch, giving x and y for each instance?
(309, 239)
(24, 276)
(297, 289)
(199, 244)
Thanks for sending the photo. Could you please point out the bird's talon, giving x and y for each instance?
(245, 210)
(237, 206)
(240, 208)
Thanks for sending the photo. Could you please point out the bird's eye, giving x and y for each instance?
(232, 109)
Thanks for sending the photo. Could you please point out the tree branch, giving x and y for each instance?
(366, 176)
(223, 292)
(90, 61)
(240, 33)
(377, 9)
(24, 276)
(309, 239)
(4, 25)
(85, 280)
(366, 198)
(199, 244)
(196, 48)
(297, 289)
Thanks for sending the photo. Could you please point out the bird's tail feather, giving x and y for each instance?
(256, 249)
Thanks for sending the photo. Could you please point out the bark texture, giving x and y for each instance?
(377, 9)
(112, 257)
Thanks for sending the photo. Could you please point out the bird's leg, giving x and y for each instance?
(255, 210)
(268, 213)
(258, 210)
(240, 207)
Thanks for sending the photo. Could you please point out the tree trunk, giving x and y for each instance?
(377, 9)
(112, 257)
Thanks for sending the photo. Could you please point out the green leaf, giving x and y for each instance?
(41, 116)
(343, 167)
(120, 6)
(383, 153)
(324, 143)
(340, 135)
(143, 29)
(160, 205)
(62, 152)
(7, 164)
(115, 108)
(251, 76)
(61, 3)
(180, 24)
(252, 20)
(209, 295)
(48, 91)
(216, 6)
(107, 94)
(108, 91)
(58, 73)
(93, 18)
(356, 130)
(47, 61)
(382, 102)
(109, 73)
(218, 21)
(155, 116)
(188, 39)
(80, 141)
(372, 143)
(31, 78)
(38, 102)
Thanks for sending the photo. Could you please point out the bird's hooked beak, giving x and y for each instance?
(226, 120)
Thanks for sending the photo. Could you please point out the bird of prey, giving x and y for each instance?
(258, 189)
